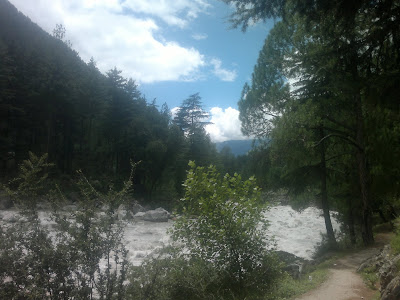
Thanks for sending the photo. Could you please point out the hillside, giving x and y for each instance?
(52, 102)
(238, 147)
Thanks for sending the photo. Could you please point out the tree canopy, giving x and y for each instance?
(325, 80)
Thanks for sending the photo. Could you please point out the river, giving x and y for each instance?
(294, 232)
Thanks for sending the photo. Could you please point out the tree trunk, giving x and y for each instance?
(366, 226)
(324, 193)
(350, 221)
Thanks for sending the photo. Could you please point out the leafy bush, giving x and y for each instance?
(219, 252)
(173, 276)
(82, 258)
(223, 225)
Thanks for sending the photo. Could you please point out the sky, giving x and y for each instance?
(171, 48)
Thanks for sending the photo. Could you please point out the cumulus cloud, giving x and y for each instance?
(226, 125)
(221, 73)
(174, 111)
(122, 33)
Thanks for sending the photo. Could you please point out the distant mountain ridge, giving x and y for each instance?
(238, 147)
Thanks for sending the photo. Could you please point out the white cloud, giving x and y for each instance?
(226, 125)
(176, 12)
(221, 73)
(200, 36)
(131, 42)
(174, 111)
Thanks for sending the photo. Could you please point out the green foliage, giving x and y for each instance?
(83, 257)
(220, 225)
(31, 181)
(220, 252)
(330, 132)
(191, 118)
(289, 288)
(191, 115)
(370, 277)
(51, 101)
(395, 243)
(172, 276)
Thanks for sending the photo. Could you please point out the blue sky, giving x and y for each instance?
(237, 52)
(172, 48)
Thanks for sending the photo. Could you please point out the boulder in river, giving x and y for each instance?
(137, 208)
(139, 215)
(156, 215)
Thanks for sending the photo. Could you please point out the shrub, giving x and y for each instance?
(173, 276)
(82, 258)
(223, 225)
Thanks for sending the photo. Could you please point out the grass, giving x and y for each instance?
(395, 243)
(290, 288)
(370, 277)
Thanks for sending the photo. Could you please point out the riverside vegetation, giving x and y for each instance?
(323, 101)
(219, 250)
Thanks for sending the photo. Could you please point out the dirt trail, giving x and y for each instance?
(343, 282)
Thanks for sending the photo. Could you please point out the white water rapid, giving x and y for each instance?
(294, 232)
(298, 232)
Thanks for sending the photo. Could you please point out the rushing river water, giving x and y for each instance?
(294, 232)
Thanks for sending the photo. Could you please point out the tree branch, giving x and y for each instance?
(346, 138)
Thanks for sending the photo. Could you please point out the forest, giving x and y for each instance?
(323, 105)
(53, 102)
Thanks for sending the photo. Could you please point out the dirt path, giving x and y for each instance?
(343, 282)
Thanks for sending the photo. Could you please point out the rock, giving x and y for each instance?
(70, 208)
(136, 208)
(288, 258)
(294, 270)
(122, 212)
(392, 291)
(139, 215)
(43, 206)
(376, 261)
(388, 271)
(385, 265)
(157, 215)
(294, 265)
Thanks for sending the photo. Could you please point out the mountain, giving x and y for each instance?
(238, 147)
